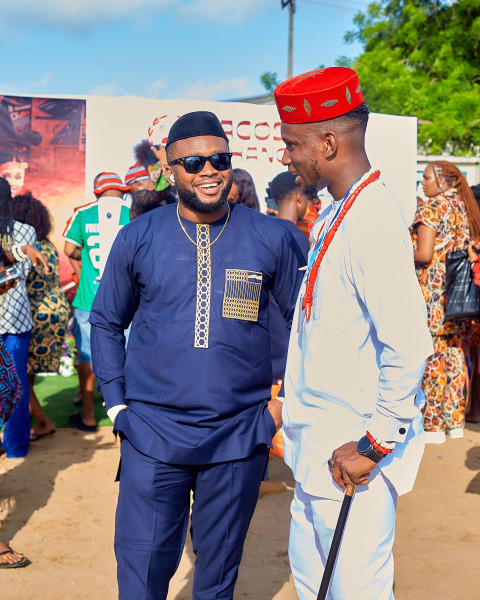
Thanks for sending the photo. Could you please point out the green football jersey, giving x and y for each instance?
(93, 228)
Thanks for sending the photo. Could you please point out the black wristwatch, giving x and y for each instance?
(365, 448)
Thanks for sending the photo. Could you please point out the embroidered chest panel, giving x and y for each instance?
(204, 287)
(242, 294)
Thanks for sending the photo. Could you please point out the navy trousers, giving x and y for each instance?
(152, 519)
(16, 435)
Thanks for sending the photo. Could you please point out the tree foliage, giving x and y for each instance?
(422, 58)
(269, 80)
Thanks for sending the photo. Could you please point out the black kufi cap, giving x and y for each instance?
(196, 124)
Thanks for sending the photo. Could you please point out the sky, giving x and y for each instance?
(196, 49)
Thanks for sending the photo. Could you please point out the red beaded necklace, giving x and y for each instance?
(308, 298)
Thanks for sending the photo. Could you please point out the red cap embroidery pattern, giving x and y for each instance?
(318, 95)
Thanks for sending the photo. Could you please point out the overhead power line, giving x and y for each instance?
(290, 4)
(337, 6)
(364, 4)
(358, 2)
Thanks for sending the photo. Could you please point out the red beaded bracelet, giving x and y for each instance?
(377, 446)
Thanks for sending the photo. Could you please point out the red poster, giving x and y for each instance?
(42, 151)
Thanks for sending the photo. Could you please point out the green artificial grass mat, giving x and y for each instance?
(56, 394)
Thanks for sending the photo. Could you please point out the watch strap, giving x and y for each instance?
(370, 451)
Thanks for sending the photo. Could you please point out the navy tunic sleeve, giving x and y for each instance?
(279, 328)
(112, 312)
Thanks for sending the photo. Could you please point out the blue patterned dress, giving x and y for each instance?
(10, 386)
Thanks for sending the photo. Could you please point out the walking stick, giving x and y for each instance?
(337, 538)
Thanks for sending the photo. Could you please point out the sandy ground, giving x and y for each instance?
(57, 506)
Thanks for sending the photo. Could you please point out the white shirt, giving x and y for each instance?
(15, 316)
(109, 210)
(357, 364)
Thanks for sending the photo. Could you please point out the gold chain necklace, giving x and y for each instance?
(193, 242)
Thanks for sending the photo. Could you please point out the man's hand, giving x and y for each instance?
(275, 408)
(350, 467)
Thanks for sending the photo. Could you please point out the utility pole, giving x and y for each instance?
(291, 8)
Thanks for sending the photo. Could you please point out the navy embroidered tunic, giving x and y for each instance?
(197, 372)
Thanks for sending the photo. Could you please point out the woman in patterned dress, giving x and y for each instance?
(10, 392)
(16, 321)
(443, 224)
(49, 308)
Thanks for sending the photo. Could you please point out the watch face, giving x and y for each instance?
(363, 444)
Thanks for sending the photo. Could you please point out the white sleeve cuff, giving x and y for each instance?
(113, 412)
(74, 242)
(388, 429)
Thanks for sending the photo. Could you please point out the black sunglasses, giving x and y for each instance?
(194, 164)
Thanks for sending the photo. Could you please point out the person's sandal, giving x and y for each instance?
(23, 562)
(34, 437)
(75, 420)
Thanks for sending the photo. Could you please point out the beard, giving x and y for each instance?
(310, 191)
(191, 200)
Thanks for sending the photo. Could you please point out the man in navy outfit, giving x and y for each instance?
(191, 396)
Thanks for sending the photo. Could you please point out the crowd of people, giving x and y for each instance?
(232, 315)
(36, 316)
(447, 221)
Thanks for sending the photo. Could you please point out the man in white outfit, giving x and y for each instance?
(358, 347)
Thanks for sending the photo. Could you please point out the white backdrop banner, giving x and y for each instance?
(116, 125)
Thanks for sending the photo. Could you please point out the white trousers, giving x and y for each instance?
(364, 567)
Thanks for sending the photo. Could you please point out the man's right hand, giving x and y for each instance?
(350, 467)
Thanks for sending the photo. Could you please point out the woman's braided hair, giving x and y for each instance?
(6, 219)
(456, 179)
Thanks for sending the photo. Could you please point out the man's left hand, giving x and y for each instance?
(350, 467)
(275, 408)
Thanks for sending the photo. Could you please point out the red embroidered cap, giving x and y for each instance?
(318, 95)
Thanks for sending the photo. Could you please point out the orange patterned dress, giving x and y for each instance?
(444, 380)
(308, 221)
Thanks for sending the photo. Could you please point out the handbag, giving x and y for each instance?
(462, 299)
